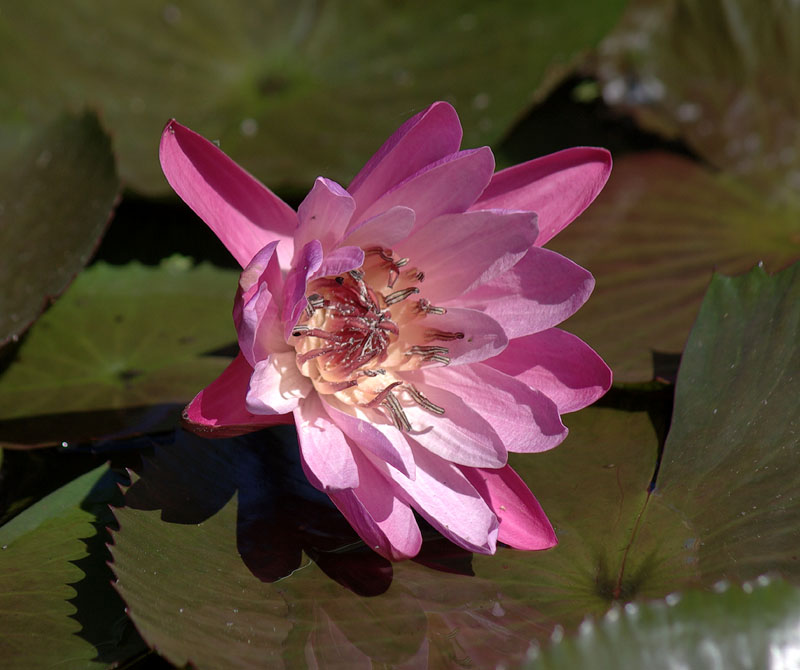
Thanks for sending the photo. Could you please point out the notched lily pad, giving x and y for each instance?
(58, 187)
(121, 339)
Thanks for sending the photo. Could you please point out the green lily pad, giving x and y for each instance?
(722, 75)
(652, 239)
(48, 559)
(120, 341)
(737, 628)
(224, 548)
(291, 89)
(57, 191)
(730, 468)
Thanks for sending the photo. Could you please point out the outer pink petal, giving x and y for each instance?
(460, 435)
(219, 409)
(241, 211)
(526, 420)
(383, 521)
(559, 364)
(325, 453)
(557, 187)
(540, 291)
(424, 139)
(523, 524)
(256, 309)
(277, 386)
(324, 215)
(294, 294)
(447, 187)
(385, 229)
(444, 496)
(383, 440)
(483, 337)
(460, 251)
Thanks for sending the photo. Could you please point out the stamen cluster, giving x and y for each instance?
(349, 341)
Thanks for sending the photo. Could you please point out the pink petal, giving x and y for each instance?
(540, 291)
(277, 386)
(461, 435)
(294, 293)
(324, 215)
(523, 524)
(385, 523)
(382, 230)
(340, 261)
(424, 139)
(559, 364)
(243, 213)
(482, 337)
(446, 187)
(256, 309)
(444, 496)
(525, 419)
(382, 439)
(460, 251)
(557, 187)
(325, 453)
(219, 409)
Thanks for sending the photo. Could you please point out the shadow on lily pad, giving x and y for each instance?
(280, 514)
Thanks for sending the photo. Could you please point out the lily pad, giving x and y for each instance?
(58, 188)
(722, 75)
(652, 239)
(121, 340)
(737, 628)
(45, 566)
(225, 548)
(290, 88)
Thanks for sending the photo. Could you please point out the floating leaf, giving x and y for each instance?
(43, 561)
(735, 628)
(122, 338)
(730, 469)
(723, 75)
(57, 191)
(652, 239)
(214, 545)
(292, 89)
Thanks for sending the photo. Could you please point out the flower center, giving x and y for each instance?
(360, 328)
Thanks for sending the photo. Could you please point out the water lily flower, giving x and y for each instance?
(406, 326)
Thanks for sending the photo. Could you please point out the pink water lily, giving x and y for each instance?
(405, 325)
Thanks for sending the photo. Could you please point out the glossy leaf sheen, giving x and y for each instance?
(739, 629)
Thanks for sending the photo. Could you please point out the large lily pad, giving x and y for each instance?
(224, 546)
(723, 75)
(734, 628)
(57, 191)
(652, 239)
(290, 88)
(123, 342)
(48, 560)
